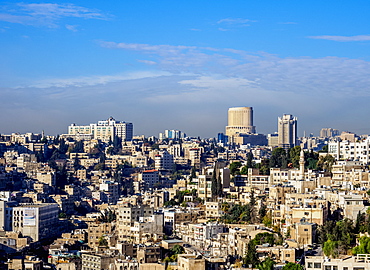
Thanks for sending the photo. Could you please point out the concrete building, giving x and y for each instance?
(96, 262)
(351, 150)
(328, 132)
(163, 161)
(172, 134)
(37, 221)
(149, 178)
(111, 190)
(240, 121)
(358, 262)
(104, 130)
(287, 130)
(190, 262)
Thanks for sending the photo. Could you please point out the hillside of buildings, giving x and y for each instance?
(99, 197)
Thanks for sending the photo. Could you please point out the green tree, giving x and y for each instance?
(325, 163)
(103, 241)
(250, 257)
(249, 160)
(177, 249)
(292, 266)
(234, 167)
(262, 211)
(279, 158)
(311, 159)
(214, 188)
(264, 238)
(267, 264)
(363, 247)
(331, 249)
(193, 174)
(294, 154)
(267, 220)
(325, 149)
(244, 170)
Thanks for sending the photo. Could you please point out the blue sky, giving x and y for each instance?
(182, 64)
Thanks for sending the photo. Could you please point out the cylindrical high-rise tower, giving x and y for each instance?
(240, 120)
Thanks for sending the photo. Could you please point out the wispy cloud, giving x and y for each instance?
(200, 83)
(230, 24)
(343, 38)
(235, 21)
(94, 80)
(72, 28)
(46, 14)
(310, 75)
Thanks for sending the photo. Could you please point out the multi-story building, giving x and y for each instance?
(354, 151)
(149, 178)
(128, 215)
(358, 262)
(163, 161)
(172, 134)
(111, 190)
(287, 130)
(37, 221)
(328, 132)
(240, 121)
(96, 262)
(104, 130)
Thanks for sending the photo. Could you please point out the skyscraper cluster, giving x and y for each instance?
(240, 128)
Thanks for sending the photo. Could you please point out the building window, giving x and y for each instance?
(316, 265)
(309, 265)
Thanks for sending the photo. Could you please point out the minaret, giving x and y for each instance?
(301, 164)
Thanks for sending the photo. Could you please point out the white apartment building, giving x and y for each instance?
(104, 130)
(354, 151)
(149, 178)
(37, 221)
(358, 262)
(163, 161)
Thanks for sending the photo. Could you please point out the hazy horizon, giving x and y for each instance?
(181, 65)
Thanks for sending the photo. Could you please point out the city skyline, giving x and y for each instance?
(181, 66)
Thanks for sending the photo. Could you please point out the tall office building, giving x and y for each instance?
(287, 130)
(240, 121)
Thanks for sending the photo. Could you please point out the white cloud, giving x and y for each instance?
(237, 21)
(47, 14)
(94, 80)
(148, 62)
(230, 24)
(214, 82)
(72, 28)
(196, 85)
(334, 75)
(343, 38)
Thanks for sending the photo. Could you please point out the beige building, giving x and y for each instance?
(358, 262)
(96, 262)
(190, 262)
(303, 232)
(240, 121)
